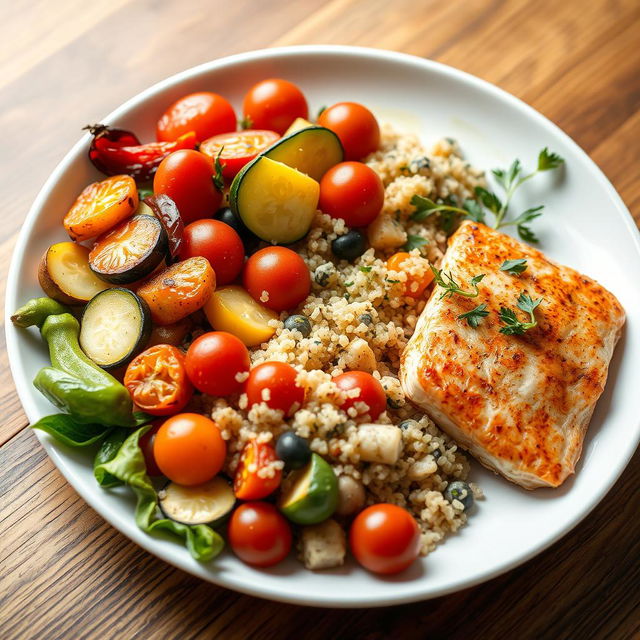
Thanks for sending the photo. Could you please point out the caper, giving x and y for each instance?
(461, 491)
(321, 276)
(365, 318)
(298, 323)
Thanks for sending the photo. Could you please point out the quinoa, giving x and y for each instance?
(363, 313)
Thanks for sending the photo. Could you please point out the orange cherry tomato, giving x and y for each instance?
(101, 206)
(282, 273)
(157, 380)
(414, 286)
(275, 384)
(259, 534)
(356, 127)
(274, 104)
(352, 191)
(205, 113)
(371, 392)
(385, 538)
(236, 148)
(189, 449)
(248, 484)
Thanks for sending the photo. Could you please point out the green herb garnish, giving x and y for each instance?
(414, 242)
(451, 287)
(514, 267)
(474, 316)
(513, 325)
(218, 180)
(365, 269)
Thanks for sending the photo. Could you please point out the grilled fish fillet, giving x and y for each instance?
(521, 404)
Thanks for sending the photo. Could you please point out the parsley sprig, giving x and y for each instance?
(488, 201)
(451, 287)
(514, 267)
(513, 326)
(474, 316)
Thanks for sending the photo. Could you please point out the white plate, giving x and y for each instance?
(585, 225)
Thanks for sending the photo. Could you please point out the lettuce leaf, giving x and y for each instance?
(107, 452)
(74, 434)
(128, 466)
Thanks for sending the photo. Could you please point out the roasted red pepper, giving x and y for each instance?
(116, 151)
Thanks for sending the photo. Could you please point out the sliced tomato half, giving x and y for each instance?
(238, 148)
(250, 481)
(157, 380)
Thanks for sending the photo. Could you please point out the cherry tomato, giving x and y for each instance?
(189, 449)
(352, 191)
(275, 384)
(205, 113)
(214, 361)
(259, 534)
(218, 243)
(247, 483)
(371, 392)
(280, 272)
(186, 176)
(356, 127)
(414, 286)
(146, 445)
(274, 104)
(157, 380)
(385, 538)
(237, 148)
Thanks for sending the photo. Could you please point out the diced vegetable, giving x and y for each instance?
(312, 150)
(179, 290)
(385, 233)
(359, 356)
(414, 285)
(323, 545)
(296, 125)
(233, 310)
(101, 206)
(313, 493)
(115, 325)
(351, 496)
(64, 274)
(379, 443)
(130, 251)
(274, 201)
(209, 503)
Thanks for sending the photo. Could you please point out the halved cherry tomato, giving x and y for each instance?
(189, 449)
(414, 286)
(248, 484)
(275, 384)
(274, 104)
(236, 148)
(259, 534)
(352, 191)
(215, 360)
(281, 273)
(385, 538)
(186, 176)
(356, 127)
(371, 392)
(157, 380)
(100, 206)
(146, 446)
(205, 113)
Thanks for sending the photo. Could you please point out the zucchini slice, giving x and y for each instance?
(65, 276)
(312, 150)
(131, 251)
(208, 503)
(115, 326)
(275, 202)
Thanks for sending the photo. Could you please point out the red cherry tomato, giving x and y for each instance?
(275, 384)
(371, 392)
(145, 443)
(280, 272)
(237, 148)
(356, 127)
(385, 538)
(248, 484)
(218, 243)
(259, 535)
(352, 191)
(274, 104)
(186, 176)
(189, 449)
(205, 113)
(214, 361)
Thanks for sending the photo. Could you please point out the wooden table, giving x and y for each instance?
(64, 572)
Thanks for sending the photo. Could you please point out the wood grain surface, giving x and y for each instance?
(64, 572)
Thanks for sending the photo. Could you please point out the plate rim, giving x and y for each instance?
(346, 600)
